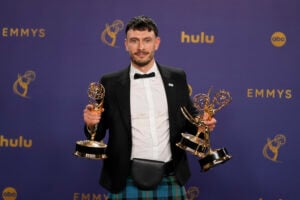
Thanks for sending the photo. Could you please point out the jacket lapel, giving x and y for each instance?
(123, 98)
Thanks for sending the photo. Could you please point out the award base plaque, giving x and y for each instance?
(90, 149)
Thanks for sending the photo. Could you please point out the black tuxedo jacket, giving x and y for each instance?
(116, 119)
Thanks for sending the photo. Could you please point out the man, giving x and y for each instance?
(144, 119)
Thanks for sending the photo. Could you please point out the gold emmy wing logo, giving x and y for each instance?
(192, 193)
(9, 193)
(20, 86)
(278, 39)
(109, 34)
(271, 148)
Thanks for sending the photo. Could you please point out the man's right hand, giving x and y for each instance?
(91, 116)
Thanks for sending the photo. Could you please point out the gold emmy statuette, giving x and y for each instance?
(199, 144)
(89, 148)
(193, 143)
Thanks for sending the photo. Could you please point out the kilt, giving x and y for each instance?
(168, 189)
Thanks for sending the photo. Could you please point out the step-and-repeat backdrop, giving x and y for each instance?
(51, 50)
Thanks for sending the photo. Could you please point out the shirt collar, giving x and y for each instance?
(133, 70)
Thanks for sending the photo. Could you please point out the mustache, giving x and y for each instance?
(141, 51)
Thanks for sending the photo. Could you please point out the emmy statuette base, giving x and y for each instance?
(192, 144)
(213, 158)
(90, 149)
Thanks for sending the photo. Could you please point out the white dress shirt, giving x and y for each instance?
(149, 115)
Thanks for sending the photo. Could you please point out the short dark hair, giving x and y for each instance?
(142, 23)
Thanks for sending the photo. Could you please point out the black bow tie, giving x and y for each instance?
(137, 76)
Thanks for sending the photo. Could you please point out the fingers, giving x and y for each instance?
(89, 107)
(211, 124)
(91, 117)
(205, 116)
(209, 121)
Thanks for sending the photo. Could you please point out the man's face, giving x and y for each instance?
(141, 46)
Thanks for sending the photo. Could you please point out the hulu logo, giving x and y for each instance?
(201, 38)
(18, 142)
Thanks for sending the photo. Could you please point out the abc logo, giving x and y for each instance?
(278, 39)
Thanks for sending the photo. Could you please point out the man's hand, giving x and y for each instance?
(91, 116)
(209, 121)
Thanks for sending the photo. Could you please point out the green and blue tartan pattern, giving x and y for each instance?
(168, 189)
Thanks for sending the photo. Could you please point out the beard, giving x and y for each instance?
(141, 62)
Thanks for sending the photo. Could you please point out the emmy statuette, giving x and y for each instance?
(199, 144)
(193, 143)
(92, 149)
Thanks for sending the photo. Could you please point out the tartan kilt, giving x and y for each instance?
(168, 189)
